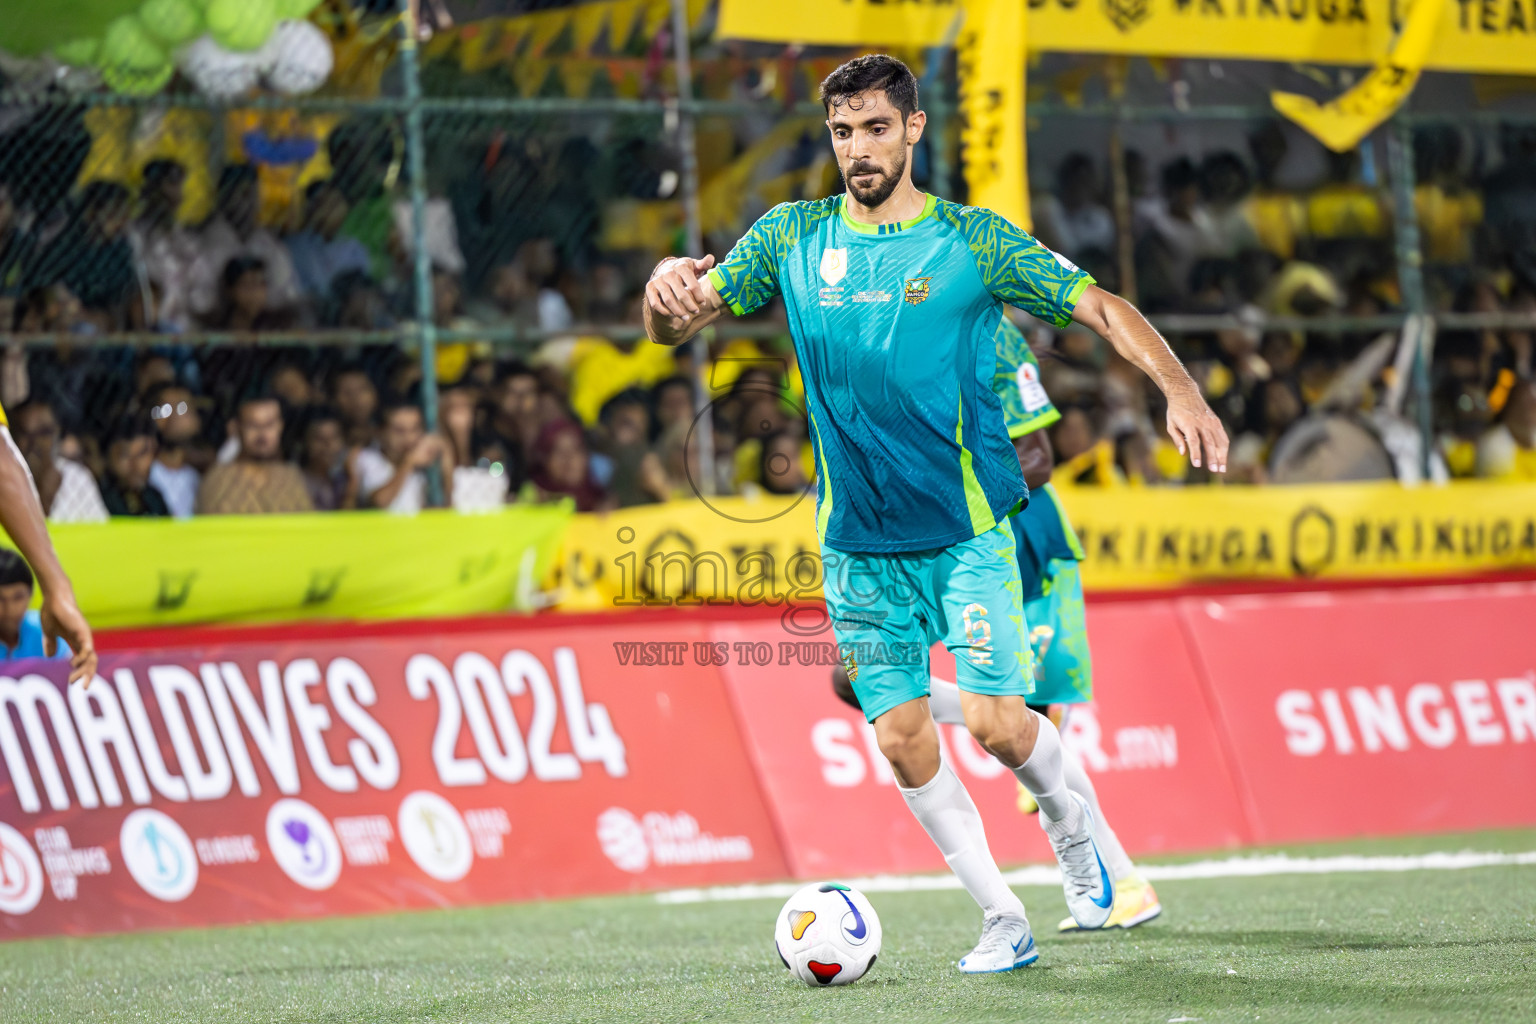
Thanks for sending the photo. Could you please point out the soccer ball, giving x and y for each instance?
(827, 934)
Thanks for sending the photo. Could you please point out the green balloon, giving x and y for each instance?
(294, 10)
(241, 25)
(137, 81)
(173, 22)
(127, 46)
(78, 53)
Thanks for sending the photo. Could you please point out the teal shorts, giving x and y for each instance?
(1059, 638)
(888, 609)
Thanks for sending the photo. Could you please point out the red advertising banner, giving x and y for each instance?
(254, 781)
(1149, 743)
(1376, 712)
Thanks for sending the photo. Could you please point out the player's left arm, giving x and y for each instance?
(1195, 429)
(1019, 270)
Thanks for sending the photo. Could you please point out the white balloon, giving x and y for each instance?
(218, 73)
(297, 59)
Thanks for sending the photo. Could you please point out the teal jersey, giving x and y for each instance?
(894, 329)
(1042, 529)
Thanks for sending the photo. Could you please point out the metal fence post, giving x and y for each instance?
(415, 150)
(688, 190)
(1410, 275)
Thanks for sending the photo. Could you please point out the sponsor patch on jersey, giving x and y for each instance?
(1066, 264)
(1031, 391)
(915, 290)
(834, 265)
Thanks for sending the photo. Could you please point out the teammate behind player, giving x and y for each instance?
(21, 516)
(1048, 553)
(893, 297)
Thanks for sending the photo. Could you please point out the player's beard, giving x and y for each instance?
(872, 197)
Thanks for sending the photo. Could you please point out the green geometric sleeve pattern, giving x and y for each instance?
(1015, 267)
(749, 277)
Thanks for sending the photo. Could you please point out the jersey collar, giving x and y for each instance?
(885, 229)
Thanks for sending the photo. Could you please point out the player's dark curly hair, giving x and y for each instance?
(871, 73)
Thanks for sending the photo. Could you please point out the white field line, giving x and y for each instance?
(1042, 874)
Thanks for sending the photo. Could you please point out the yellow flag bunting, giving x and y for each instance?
(990, 58)
(1341, 123)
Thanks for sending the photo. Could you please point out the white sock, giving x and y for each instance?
(945, 810)
(944, 702)
(1077, 780)
(1042, 775)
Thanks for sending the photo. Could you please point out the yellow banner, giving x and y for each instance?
(989, 58)
(1485, 36)
(765, 552)
(1150, 537)
(839, 22)
(1341, 123)
(348, 565)
(756, 551)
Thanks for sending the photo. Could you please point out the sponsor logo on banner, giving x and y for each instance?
(65, 864)
(303, 844)
(158, 855)
(1475, 712)
(633, 844)
(21, 874)
(434, 834)
(1127, 14)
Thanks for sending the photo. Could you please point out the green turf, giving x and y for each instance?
(1426, 945)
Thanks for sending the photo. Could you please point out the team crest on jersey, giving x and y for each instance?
(916, 289)
(834, 265)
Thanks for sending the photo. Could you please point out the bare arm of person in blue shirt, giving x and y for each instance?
(21, 516)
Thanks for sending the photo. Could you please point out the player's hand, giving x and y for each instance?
(674, 290)
(61, 618)
(1196, 431)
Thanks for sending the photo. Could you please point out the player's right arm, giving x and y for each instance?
(21, 515)
(685, 295)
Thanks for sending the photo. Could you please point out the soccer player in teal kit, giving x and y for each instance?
(894, 298)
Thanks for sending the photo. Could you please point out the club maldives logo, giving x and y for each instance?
(433, 833)
(158, 855)
(303, 844)
(633, 844)
(21, 873)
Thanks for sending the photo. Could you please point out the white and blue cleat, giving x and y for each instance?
(1089, 890)
(1006, 943)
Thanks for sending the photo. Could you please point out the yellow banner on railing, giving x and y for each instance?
(1487, 36)
(1147, 537)
(336, 565)
(765, 552)
(687, 553)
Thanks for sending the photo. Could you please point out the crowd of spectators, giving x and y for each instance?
(181, 429)
(1219, 235)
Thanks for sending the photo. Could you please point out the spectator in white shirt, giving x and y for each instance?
(393, 474)
(66, 489)
(235, 230)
